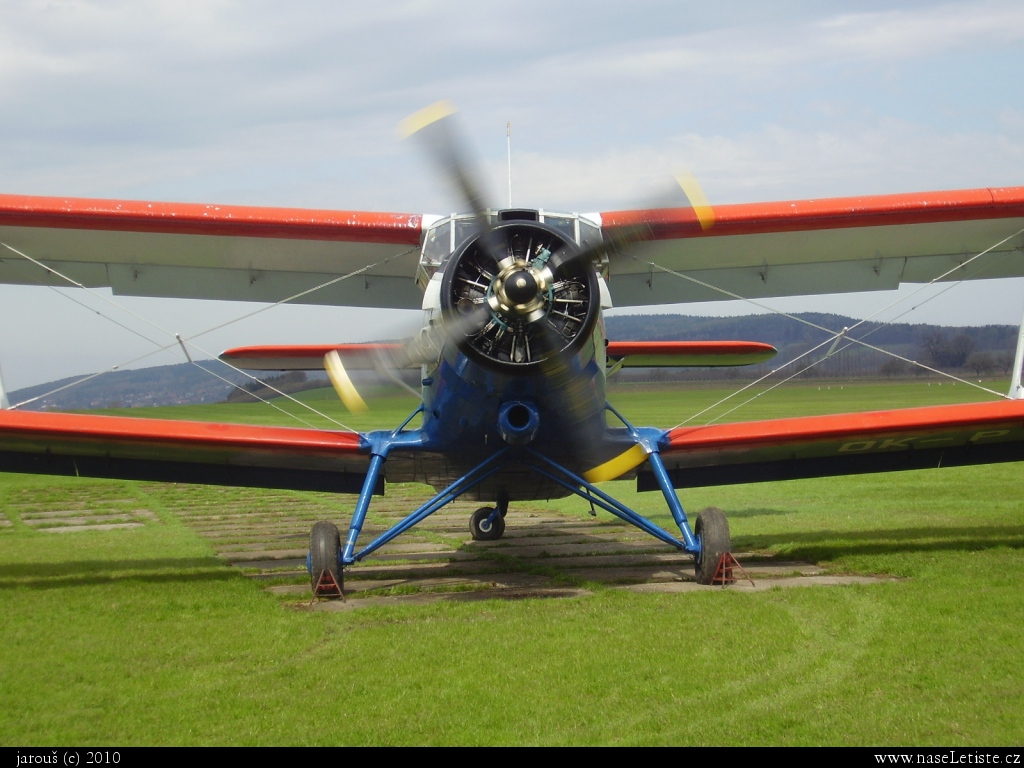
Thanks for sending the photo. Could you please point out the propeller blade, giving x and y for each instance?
(389, 365)
(343, 383)
(616, 467)
(519, 306)
(622, 237)
(421, 348)
(698, 201)
(436, 127)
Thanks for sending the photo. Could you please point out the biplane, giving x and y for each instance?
(512, 358)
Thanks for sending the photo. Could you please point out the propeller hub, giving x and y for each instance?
(519, 291)
(520, 287)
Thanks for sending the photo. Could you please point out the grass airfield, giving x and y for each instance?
(141, 635)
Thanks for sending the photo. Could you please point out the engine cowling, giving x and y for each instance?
(519, 295)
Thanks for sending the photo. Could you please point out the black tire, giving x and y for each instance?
(713, 531)
(481, 530)
(324, 546)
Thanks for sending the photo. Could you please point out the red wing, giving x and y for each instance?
(689, 354)
(819, 446)
(190, 250)
(806, 247)
(181, 451)
(306, 357)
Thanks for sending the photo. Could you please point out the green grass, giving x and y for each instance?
(142, 637)
(389, 410)
(661, 405)
(667, 406)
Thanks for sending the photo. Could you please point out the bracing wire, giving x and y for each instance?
(833, 336)
(178, 341)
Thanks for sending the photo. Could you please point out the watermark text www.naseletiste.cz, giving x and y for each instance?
(950, 757)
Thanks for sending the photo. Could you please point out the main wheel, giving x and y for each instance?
(324, 546)
(483, 530)
(713, 531)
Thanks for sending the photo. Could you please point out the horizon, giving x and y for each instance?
(28, 390)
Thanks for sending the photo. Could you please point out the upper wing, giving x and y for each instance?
(188, 250)
(369, 259)
(819, 446)
(182, 451)
(805, 247)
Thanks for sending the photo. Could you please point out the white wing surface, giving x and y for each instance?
(188, 250)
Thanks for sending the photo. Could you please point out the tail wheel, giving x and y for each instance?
(712, 530)
(324, 548)
(483, 530)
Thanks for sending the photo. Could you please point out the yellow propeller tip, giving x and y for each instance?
(343, 383)
(629, 459)
(424, 117)
(698, 201)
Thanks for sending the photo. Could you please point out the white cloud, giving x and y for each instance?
(903, 34)
(766, 51)
(263, 103)
(773, 162)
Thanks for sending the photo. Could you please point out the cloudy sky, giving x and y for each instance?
(297, 105)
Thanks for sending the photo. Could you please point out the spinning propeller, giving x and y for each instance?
(517, 295)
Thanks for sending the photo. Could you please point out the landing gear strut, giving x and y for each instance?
(488, 523)
(712, 530)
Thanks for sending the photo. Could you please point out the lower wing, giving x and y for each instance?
(845, 444)
(336, 461)
(182, 451)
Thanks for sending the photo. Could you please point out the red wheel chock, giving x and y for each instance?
(723, 571)
(327, 586)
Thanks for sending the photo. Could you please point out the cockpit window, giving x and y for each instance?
(437, 244)
(463, 229)
(564, 224)
(590, 233)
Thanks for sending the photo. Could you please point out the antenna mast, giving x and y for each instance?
(508, 138)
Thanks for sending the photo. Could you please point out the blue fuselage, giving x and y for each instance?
(463, 400)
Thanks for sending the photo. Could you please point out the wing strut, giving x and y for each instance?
(1016, 390)
(4, 403)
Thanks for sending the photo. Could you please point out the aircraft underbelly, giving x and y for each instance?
(461, 422)
(438, 471)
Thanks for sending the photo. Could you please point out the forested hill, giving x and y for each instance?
(781, 331)
(180, 384)
(987, 348)
(981, 350)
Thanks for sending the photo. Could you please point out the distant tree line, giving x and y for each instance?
(804, 349)
(184, 383)
(984, 350)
